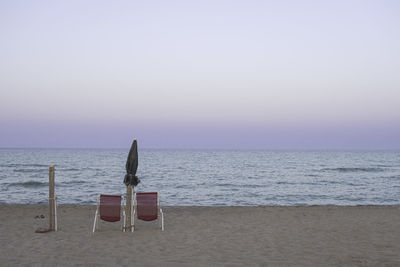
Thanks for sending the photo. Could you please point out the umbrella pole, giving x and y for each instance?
(128, 221)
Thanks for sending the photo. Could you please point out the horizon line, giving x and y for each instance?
(217, 149)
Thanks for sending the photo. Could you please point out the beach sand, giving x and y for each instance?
(206, 236)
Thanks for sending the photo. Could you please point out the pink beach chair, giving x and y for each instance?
(109, 209)
(147, 208)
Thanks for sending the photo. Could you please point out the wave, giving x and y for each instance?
(70, 169)
(392, 177)
(31, 170)
(286, 182)
(384, 165)
(185, 187)
(354, 169)
(29, 184)
(329, 182)
(243, 185)
(78, 182)
(313, 175)
(18, 165)
(71, 183)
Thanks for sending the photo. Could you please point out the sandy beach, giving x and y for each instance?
(206, 236)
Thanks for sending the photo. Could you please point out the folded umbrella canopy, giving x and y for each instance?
(131, 166)
(131, 181)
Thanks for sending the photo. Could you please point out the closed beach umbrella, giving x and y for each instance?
(131, 166)
(131, 181)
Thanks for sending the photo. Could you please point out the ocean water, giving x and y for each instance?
(206, 177)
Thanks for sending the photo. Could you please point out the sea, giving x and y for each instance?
(205, 177)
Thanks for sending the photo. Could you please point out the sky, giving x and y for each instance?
(200, 74)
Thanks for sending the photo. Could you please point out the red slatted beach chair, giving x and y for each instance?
(109, 209)
(147, 208)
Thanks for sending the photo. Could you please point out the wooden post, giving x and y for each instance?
(128, 222)
(52, 204)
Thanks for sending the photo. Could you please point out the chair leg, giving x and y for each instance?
(96, 220)
(123, 223)
(95, 223)
(123, 214)
(133, 221)
(162, 220)
(55, 211)
(160, 212)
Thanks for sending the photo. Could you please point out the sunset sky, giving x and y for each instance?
(200, 74)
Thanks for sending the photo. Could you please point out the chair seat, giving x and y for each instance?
(147, 207)
(110, 208)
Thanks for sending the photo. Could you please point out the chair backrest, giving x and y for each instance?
(110, 208)
(147, 206)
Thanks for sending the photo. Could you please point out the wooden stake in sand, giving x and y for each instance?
(52, 205)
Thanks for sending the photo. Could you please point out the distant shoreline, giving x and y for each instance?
(209, 206)
(215, 149)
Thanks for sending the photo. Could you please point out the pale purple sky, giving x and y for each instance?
(200, 74)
